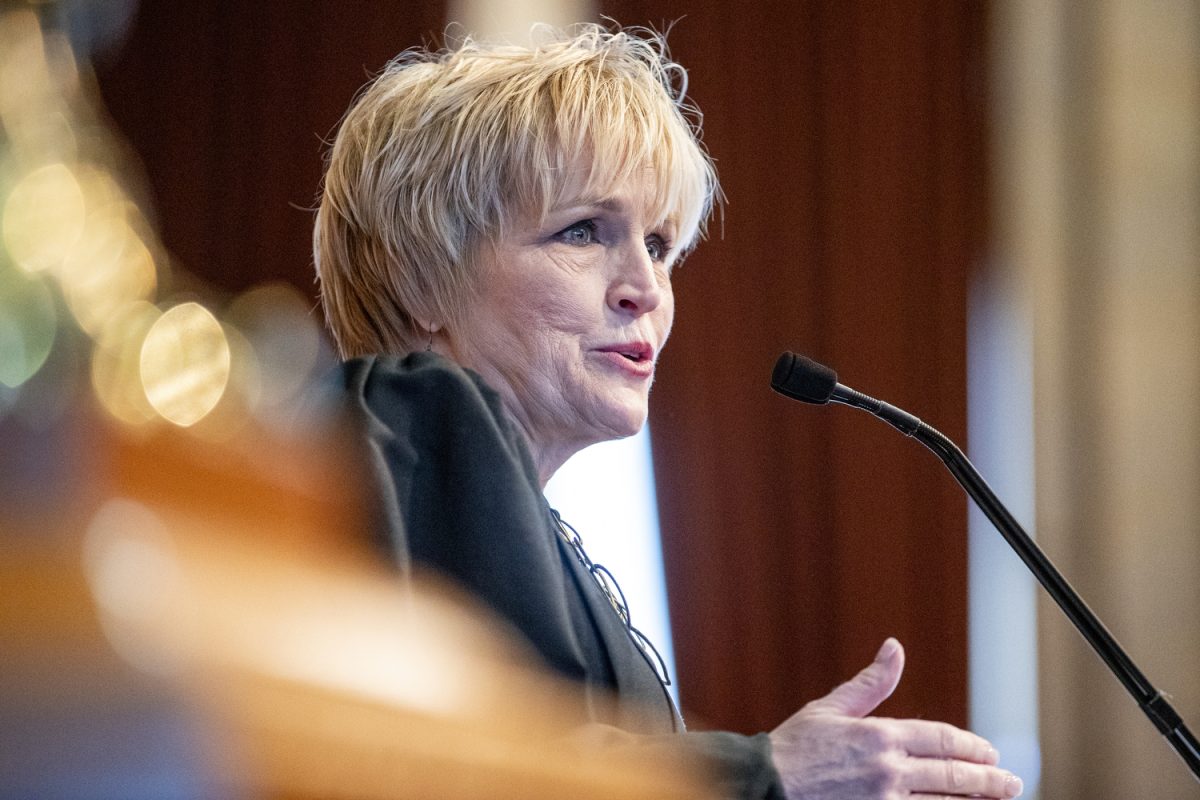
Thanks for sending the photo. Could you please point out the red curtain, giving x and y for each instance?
(849, 137)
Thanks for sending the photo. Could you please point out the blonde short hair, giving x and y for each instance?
(444, 150)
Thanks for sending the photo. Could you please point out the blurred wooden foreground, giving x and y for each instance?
(183, 617)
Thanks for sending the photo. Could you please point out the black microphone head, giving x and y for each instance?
(802, 378)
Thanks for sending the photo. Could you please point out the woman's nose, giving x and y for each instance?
(635, 289)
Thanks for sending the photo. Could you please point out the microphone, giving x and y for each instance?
(803, 379)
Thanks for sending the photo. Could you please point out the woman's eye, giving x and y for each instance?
(580, 233)
(657, 248)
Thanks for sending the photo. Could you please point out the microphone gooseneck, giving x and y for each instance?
(806, 380)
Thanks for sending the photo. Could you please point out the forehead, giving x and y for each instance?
(609, 184)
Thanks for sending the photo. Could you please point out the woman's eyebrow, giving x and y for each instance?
(614, 205)
(611, 204)
(603, 203)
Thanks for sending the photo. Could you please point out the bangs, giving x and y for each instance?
(595, 125)
(615, 156)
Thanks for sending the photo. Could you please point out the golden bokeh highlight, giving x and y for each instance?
(72, 237)
(185, 364)
(108, 267)
(233, 412)
(43, 218)
(22, 64)
(117, 364)
(38, 77)
(66, 220)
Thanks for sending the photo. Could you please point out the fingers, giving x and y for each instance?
(827, 749)
(948, 761)
(939, 740)
(835, 756)
(861, 694)
(929, 777)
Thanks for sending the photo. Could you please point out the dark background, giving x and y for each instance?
(850, 139)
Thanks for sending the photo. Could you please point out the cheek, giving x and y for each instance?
(568, 315)
(666, 315)
(567, 307)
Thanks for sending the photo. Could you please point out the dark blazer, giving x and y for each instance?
(459, 494)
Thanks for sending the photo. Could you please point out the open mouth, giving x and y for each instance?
(636, 357)
(635, 352)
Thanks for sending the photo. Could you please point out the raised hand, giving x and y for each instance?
(831, 749)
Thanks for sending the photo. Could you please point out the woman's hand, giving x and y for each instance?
(830, 749)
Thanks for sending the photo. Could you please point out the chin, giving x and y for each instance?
(626, 422)
(613, 415)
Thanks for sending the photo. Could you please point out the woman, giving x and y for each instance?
(510, 219)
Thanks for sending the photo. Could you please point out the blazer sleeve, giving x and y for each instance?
(739, 766)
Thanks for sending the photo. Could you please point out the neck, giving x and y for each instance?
(548, 449)
(549, 453)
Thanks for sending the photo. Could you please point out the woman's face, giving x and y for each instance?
(572, 314)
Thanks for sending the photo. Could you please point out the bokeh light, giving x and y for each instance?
(22, 65)
(232, 413)
(43, 217)
(116, 363)
(288, 348)
(107, 267)
(185, 364)
(38, 75)
(28, 325)
(71, 234)
(129, 564)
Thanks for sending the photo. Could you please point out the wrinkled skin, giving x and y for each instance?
(831, 749)
(555, 293)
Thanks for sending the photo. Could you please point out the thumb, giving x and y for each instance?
(861, 694)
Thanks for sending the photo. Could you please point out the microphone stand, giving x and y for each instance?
(1149, 699)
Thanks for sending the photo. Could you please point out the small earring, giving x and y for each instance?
(429, 344)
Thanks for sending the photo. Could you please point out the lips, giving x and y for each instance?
(634, 357)
(634, 351)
